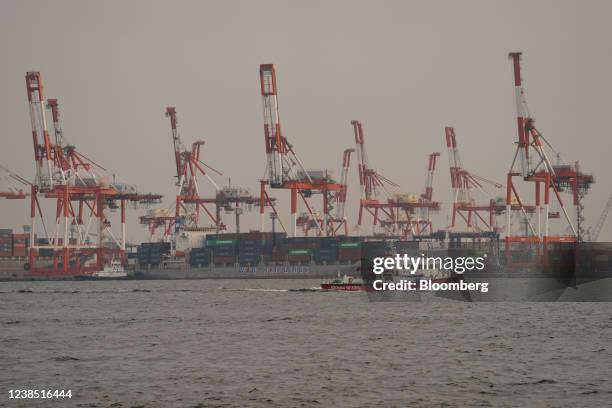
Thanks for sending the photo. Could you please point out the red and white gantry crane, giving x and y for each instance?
(532, 163)
(190, 201)
(396, 214)
(83, 240)
(284, 170)
(424, 221)
(463, 182)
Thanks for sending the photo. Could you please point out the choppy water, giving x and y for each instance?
(253, 343)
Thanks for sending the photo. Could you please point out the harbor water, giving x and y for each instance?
(275, 343)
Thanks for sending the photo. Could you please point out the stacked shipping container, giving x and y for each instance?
(349, 250)
(254, 248)
(199, 257)
(20, 244)
(13, 245)
(249, 251)
(150, 253)
(6, 242)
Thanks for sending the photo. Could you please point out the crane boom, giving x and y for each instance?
(341, 196)
(431, 169)
(371, 182)
(601, 220)
(176, 142)
(40, 133)
(282, 161)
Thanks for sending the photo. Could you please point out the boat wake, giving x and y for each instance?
(313, 289)
(255, 290)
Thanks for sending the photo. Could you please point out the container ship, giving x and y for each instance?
(216, 256)
(251, 255)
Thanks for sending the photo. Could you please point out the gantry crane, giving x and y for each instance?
(462, 184)
(284, 170)
(424, 220)
(395, 213)
(83, 240)
(190, 200)
(185, 215)
(339, 219)
(336, 202)
(531, 163)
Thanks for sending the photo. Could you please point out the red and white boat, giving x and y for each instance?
(345, 284)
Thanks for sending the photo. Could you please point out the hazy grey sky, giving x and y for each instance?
(404, 68)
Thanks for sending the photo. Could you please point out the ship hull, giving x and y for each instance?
(248, 272)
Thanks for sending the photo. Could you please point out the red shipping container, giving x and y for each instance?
(224, 260)
(349, 254)
(298, 258)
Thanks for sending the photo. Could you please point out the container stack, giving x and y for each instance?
(150, 253)
(199, 257)
(44, 252)
(155, 254)
(224, 251)
(249, 251)
(20, 244)
(327, 252)
(298, 256)
(300, 249)
(349, 250)
(278, 254)
(143, 254)
(6, 242)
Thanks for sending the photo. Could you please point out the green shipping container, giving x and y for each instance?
(220, 242)
(300, 251)
(350, 245)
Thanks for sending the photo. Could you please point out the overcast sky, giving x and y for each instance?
(404, 68)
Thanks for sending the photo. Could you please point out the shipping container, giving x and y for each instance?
(302, 242)
(199, 257)
(45, 252)
(19, 249)
(325, 255)
(224, 251)
(277, 257)
(350, 244)
(306, 251)
(220, 242)
(298, 258)
(249, 259)
(224, 260)
(349, 254)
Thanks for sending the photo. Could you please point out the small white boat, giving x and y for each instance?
(113, 271)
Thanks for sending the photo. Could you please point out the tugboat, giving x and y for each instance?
(113, 271)
(345, 284)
